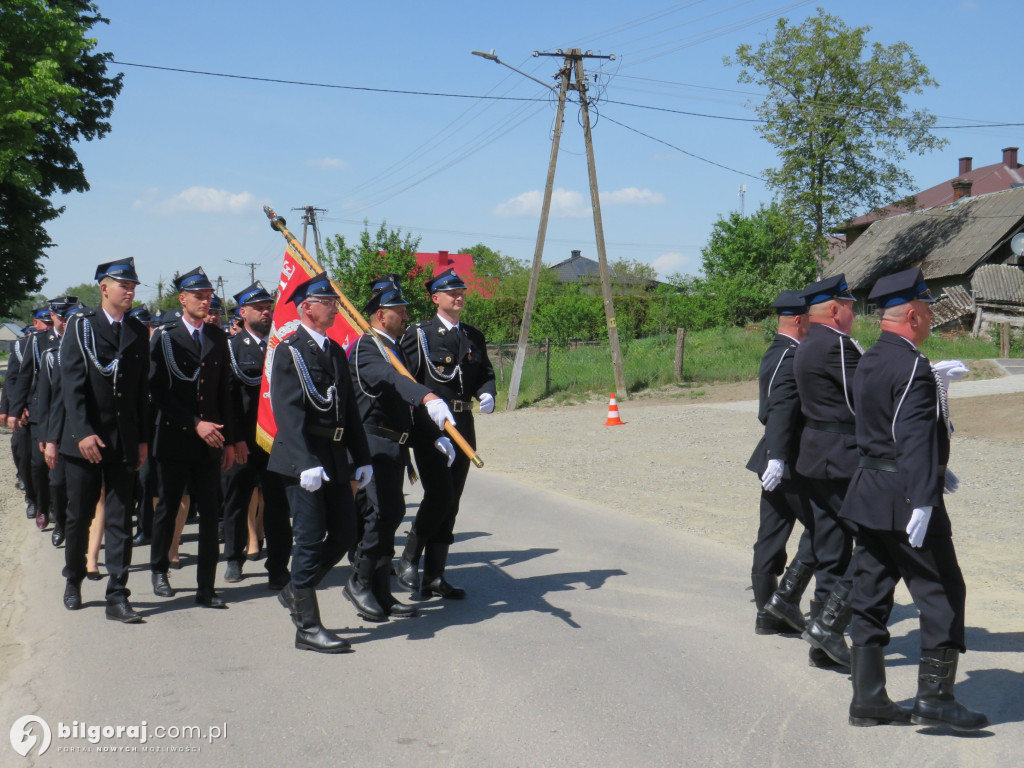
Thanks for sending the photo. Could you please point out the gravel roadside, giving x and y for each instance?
(681, 465)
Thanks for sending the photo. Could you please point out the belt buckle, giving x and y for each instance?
(338, 432)
(457, 406)
(402, 438)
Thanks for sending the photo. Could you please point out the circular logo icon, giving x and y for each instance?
(24, 734)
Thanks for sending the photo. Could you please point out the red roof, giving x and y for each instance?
(463, 264)
(988, 178)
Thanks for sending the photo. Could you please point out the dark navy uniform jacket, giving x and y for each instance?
(898, 419)
(824, 367)
(116, 410)
(454, 366)
(778, 407)
(13, 367)
(386, 398)
(182, 404)
(246, 357)
(306, 430)
(24, 393)
(49, 396)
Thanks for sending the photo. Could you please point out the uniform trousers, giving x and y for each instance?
(242, 480)
(933, 578)
(39, 470)
(323, 527)
(85, 482)
(833, 537)
(147, 489)
(781, 509)
(21, 443)
(381, 506)
(203, 478)
(442, 486)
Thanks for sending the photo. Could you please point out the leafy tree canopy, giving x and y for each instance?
(836, 111)
(383, 252)
(54, 91)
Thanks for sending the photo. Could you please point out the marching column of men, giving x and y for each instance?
(871, 461)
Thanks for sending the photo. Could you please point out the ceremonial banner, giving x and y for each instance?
(295, 270)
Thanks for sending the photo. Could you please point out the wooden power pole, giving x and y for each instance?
(572, 65)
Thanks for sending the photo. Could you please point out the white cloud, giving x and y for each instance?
(669, 263)
(332, 163)
(207, 200)
(570, 204)
(565, 204)
(632, 196)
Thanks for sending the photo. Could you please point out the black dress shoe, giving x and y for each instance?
(121, 611)
(442, 588)
(57, 537)
(209, 600)
(72, 596)
(161, 586)
(30, 509)
(93, 575)
(140, 540)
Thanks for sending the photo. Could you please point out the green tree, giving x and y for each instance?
(384, 252)
(54, 91)
(87, 293)
(836, 112)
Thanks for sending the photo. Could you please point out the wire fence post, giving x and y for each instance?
(1004, 340)
(680, 344)
(547, 366)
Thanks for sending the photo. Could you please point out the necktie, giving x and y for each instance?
(263, 345)
(116, 328)
(197, 340)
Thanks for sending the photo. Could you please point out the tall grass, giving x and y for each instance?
(715, 355)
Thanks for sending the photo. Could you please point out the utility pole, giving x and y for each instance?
(572, 64)
(309, 220)
(743, 198)
(250, 264)
(220, 287)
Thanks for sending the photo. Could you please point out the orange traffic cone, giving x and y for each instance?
(613, 413)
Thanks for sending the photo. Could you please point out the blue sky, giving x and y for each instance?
(181, 179)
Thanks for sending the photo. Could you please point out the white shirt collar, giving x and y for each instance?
(379, 332)
(788, 336)
(319, 338)
(447, 325)
(256, 338)
(191, 327)
(111, 319)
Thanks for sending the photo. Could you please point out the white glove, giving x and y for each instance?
(950, 370)
(952, 483)
(363, 475)
(444, 445)
(918, 525)
(773, 474)
(439, 413)
(311, 479)
(486, 402)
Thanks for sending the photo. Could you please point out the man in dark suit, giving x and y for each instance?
(896, 501)
(104, 380)
(386, 400)
(190, 381)
(450, 358)
(20, 438)
(25, 400)
(824, 366)
(247, 351)
(783, 500)
(318, 426)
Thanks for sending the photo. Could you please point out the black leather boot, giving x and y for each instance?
(935, 703)
(359, 590)
(311, 635)
(826, 632)
(765, 585)
(871, 704)
(816, 657)
(408, 564)
(434, 561)
(784, 604)
(286, 597)
(382, 591)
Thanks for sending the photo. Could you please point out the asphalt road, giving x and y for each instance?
(590, 638)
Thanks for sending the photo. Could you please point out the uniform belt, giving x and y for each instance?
(334, 435)
(458, 406)
(390, 434)
(887, 465)
(838, 427)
